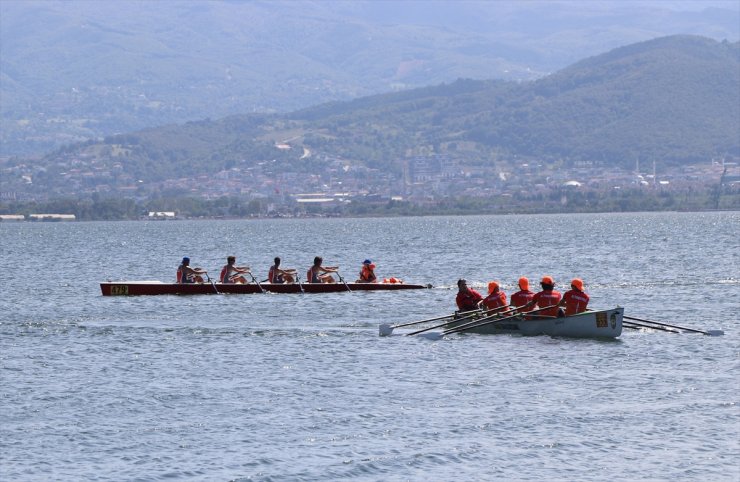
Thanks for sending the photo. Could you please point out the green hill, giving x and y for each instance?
(674, 100)
(77, 70)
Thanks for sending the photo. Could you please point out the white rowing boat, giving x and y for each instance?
(589, 324)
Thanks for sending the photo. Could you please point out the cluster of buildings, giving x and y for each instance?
(7, 218)
(420, 179)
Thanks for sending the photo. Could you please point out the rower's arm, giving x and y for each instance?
(524, 308)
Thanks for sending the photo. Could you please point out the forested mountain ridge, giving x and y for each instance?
(675, 100)
(76, 70)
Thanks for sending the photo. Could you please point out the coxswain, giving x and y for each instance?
(277, 275)
(467, 299)
(231, 273)
(321, 274)
(186, 274)
(367, 273)
(496, 298)
(575, 300)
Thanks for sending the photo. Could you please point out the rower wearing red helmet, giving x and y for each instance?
(523, 296)
(547, 297)
(575, 300)
(467, 299)
(496, 298)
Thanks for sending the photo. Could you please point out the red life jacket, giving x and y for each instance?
(495, 300)
(468, 301)
(521, 298)
(548, 298)
(367, 274)
(575, 302)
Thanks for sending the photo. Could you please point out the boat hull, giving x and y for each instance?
(138, 288)
(590, 324)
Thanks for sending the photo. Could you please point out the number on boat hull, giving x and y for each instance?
(119, 290)
(601, 320)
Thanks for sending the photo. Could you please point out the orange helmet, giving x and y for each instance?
(523, 283)
(492, 286)
(547, 280)
(577, 283)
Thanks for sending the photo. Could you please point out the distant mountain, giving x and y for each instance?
(76, 70)
(672, 100)
(675, 100)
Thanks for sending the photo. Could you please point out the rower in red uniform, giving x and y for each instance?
(547, 297)
(496, 298)
(467, 299)
(575, 300)
(523, 296)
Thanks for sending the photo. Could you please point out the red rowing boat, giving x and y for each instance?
(136, 288)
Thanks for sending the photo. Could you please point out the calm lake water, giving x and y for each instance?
(301, 387)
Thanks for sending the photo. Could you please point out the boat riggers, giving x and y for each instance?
(386, 329)
(475, 315)
(455, 319)
(658, 325)
(489, 320)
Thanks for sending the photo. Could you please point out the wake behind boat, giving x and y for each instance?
(136, 288)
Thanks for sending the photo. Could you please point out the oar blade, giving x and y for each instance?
(715, 333)
(385, 329)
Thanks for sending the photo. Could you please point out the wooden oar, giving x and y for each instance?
(477, 323)
(298, 279)
(386, 329)
(467, 317)
(342, 280)
(212, 283)
(638, 326)
(487, 315)
(660, 323)
(255, 280)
